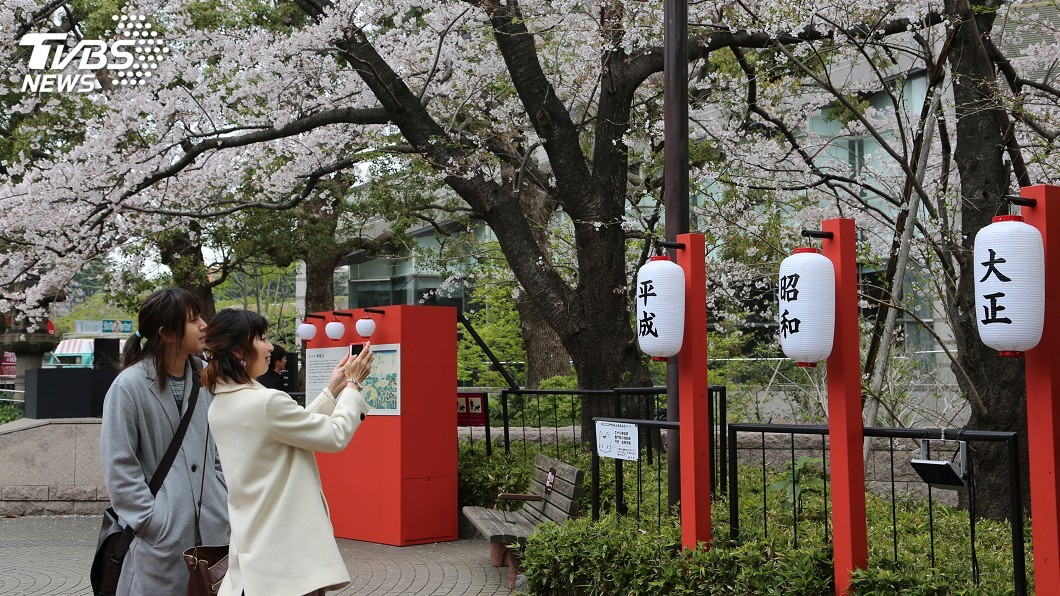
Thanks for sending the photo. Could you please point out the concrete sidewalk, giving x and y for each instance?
(52, 555)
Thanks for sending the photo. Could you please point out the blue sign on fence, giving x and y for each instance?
(117, 326)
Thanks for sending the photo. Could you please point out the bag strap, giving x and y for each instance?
(174, 445)
(202, 487)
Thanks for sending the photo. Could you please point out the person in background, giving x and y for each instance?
(282, 541)
(141, 413)
(273, 378)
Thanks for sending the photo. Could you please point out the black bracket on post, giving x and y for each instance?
(1021, 201)
(677, 245)
(817, 234)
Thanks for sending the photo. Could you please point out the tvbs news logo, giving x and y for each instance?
(131, 59)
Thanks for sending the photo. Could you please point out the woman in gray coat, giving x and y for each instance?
(140, 417)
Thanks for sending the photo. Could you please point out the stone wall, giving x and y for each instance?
(51, 467)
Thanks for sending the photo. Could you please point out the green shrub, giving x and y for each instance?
(578, 558)
(480, 478)
(9, 413)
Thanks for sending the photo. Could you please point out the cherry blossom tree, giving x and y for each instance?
(269, 108)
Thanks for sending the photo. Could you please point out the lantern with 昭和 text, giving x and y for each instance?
(807, 306)
(660, 307)
(1010, 285)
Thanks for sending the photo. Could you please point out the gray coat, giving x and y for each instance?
(138, 423)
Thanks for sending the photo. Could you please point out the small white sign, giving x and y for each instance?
(617, 440)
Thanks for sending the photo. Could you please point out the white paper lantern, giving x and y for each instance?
(1010, 285)
(307, 331)
(807, 306)
(660, 307)
(335, 330)
(365, 327)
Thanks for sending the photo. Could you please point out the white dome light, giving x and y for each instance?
(307, 331)
(1010, 285)
(365, 327)
(335, 330)
(660, 307)
(807, 306)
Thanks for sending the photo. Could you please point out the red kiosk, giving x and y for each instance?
(396, 482)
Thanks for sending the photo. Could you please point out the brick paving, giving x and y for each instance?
(52, 555)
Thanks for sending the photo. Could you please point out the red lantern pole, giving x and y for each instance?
(692, 386)
(844, 409)
(1043, 382)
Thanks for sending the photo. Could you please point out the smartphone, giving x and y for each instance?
(356, 349)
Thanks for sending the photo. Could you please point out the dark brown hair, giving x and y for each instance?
(231, 330)
(166, 310)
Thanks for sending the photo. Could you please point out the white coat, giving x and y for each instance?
(283, 543)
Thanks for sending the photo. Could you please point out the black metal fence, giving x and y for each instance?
(649, 469)
(1019, 576)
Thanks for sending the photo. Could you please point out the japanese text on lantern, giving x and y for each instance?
(990, 312)
(647, 290)
(789, 292)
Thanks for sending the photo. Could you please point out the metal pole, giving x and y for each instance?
(675, 191)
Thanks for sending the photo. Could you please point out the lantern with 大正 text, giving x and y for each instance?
(1010, 285)
(660, 307)
(807, 306)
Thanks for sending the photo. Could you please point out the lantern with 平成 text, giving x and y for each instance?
(1010, 285)
(807, 306)
(660, 307)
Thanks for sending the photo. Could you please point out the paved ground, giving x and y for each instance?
(52, 555)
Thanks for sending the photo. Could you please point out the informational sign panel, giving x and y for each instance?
(470, 409)
(382, 388)
(617, 440)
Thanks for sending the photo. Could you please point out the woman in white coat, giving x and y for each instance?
(282, 543)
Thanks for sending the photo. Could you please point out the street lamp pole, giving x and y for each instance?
(675, 189)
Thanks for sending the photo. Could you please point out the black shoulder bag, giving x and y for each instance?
(114, 538)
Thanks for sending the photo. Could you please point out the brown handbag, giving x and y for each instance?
(207, 565)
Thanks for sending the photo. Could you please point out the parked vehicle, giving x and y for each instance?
(71, 353)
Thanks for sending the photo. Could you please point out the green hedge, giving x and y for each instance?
(619, 555)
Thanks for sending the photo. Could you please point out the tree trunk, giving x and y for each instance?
(545, 355)
(184, 258)
(320, 281)
(995, 387)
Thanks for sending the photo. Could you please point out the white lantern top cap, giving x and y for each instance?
(808, 249)
(659, 258)
(998, 218)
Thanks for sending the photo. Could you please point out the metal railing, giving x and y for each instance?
(1019, 574)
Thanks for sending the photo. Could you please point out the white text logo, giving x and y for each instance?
(129, 60)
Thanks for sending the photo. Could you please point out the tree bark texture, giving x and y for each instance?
(995, 387)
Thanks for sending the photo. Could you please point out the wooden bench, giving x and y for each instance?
(554, 492)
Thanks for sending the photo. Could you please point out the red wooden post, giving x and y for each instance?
(692, 372)
(844, 409)
(1043, 381)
